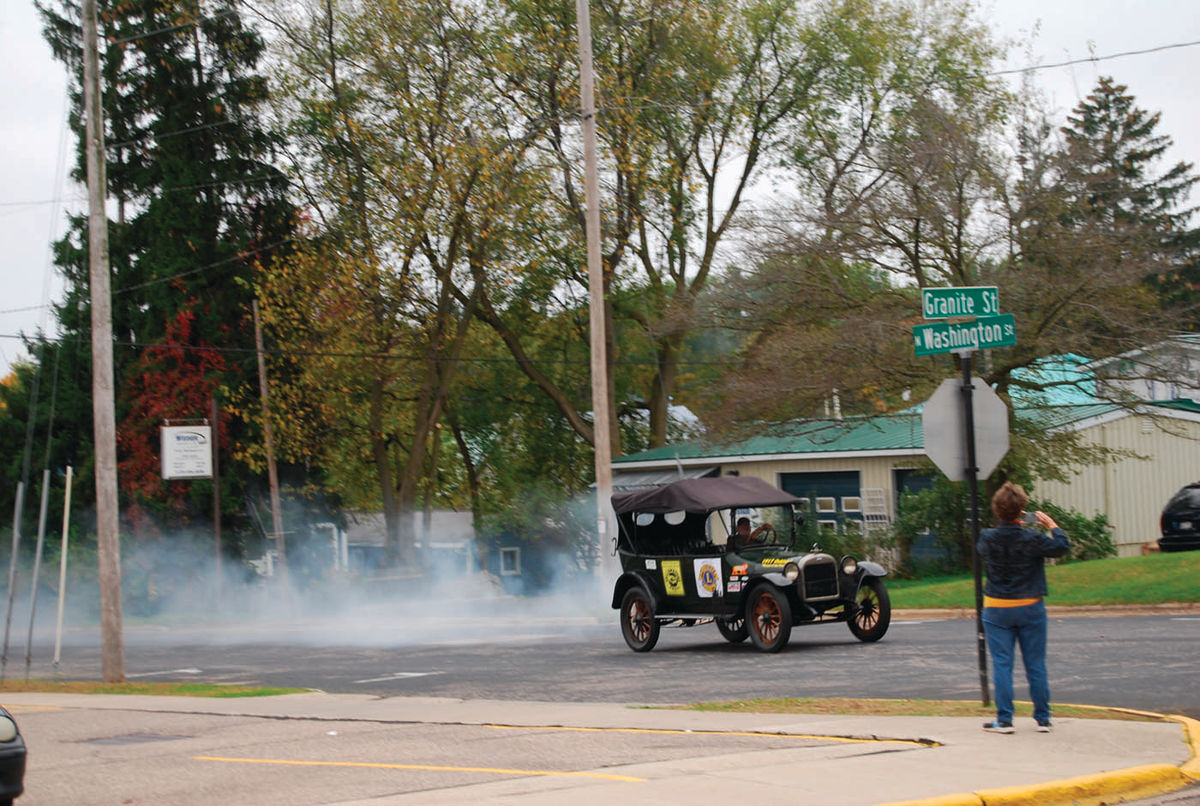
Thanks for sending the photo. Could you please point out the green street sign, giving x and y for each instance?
(947, 303)
(981, 334)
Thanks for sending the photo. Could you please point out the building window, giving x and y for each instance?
(827, 503)
(851, 503)
(510, 561)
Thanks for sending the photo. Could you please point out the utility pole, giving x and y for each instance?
(272, 474)
(216, 482)
(601, 434)
(103, 408)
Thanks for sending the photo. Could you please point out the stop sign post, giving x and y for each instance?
(968, 436)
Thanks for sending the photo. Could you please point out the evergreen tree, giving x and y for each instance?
(198, 206)
(1112, 154)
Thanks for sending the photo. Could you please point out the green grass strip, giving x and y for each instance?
(1153, 579)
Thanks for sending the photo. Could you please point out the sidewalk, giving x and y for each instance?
(847, 760)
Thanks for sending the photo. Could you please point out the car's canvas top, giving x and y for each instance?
(703, 495)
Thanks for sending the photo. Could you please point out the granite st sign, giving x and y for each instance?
(947, 303)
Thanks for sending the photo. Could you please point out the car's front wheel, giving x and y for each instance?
(733, 630)
(638, 626)
(870, 621)
(768, 618)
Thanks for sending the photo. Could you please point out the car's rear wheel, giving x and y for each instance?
(638, 626)
(768, 618)
(874, 613)
(733, 630)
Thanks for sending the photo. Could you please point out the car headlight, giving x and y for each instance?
(791, 571)
(849, 565)
(8, 729)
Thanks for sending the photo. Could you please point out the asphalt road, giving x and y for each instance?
(1145, 662)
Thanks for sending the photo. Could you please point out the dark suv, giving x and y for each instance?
(685, 562)
(1181, 520)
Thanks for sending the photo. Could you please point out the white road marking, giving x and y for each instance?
(917, 621)
(396, 676)
(166, 671)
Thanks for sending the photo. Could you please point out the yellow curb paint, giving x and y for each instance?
(1091, 790)
(753, 734)
(1191, 734)
(419, 767)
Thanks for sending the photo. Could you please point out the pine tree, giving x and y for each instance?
(1113, 150)
(198, 202)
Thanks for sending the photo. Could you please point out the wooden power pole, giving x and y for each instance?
(103, 409)
(601, 431)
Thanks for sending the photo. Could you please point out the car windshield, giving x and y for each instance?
(753, 526)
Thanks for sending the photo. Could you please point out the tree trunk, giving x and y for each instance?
(663, 387)
(383, 469)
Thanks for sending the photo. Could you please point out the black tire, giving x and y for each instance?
(638, 625)
(734, 631)
(768, 618)
(874, 614)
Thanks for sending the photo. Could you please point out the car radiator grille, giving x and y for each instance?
(820, 580)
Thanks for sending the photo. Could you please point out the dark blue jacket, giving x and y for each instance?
(1015, 559)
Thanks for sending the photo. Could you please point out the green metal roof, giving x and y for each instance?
(894, 432)
(852, 434)
(1180, 404)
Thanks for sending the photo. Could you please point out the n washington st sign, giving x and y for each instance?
(982, 333)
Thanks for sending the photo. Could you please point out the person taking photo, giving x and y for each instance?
(1014, 613)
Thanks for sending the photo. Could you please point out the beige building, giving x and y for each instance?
(1165, 441)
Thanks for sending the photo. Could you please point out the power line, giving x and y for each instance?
(199, 269)
(173, 277)
(170, 28)
(176, 133)
(1085, 60)
(368, 356)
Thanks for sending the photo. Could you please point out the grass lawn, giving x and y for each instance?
(1153, 579)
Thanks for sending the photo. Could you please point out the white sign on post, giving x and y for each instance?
(945, 431)
(187, 452)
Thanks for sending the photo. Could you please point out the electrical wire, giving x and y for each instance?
(367, 356)
(170, 28)
(1087, 59)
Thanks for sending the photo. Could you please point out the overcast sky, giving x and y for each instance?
(35, 194)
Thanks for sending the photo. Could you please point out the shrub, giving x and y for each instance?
(1091, 538)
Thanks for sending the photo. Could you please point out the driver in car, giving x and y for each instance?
(745, 536)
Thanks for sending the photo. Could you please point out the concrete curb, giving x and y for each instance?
(1129, 784)
(1133, 783)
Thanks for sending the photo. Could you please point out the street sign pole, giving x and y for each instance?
(972, 471)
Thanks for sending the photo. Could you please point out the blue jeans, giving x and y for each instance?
(1005, 628)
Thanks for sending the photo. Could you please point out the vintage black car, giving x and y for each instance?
(684, 563)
